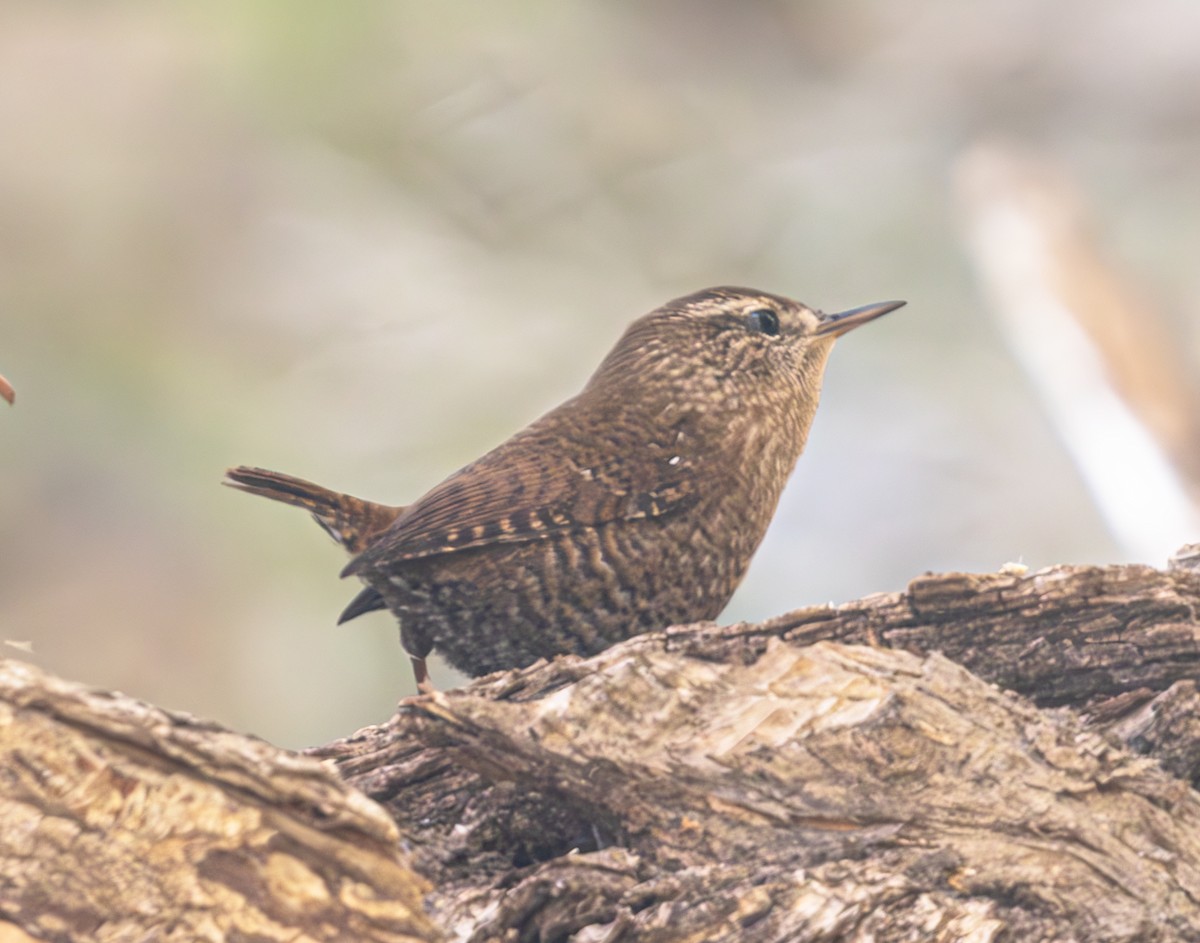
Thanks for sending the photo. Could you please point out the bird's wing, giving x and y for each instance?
(544, 481)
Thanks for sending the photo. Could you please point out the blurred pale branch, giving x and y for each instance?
(1100, 356)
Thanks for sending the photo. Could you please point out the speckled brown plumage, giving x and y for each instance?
(635, 505)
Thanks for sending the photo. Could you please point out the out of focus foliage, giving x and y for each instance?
(364, 242)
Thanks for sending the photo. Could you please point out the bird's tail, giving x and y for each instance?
(351, 521)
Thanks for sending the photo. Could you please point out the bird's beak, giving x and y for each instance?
(838, 324)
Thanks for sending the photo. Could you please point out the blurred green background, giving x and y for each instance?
(364, 242)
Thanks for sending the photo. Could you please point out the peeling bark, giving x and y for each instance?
(982, 757)
(122, 821)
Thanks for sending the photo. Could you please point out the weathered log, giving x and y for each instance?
(748, 782)
(122, 821)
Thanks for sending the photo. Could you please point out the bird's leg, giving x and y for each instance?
(421, 670)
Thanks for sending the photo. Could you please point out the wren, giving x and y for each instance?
(633, 506)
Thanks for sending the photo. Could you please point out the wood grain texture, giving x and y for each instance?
(121, 821)
(982, 757)
(758, 782)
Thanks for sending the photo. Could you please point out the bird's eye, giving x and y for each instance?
(764, 321)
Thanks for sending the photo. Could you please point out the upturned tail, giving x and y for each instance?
(352, 522)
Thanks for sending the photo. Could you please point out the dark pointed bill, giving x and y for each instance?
(838, 324)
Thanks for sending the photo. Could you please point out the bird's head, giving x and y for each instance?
(736, 347)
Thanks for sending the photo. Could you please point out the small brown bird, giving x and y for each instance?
(633, 506)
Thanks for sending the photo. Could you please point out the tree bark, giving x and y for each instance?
(122, 821)
(1003, 756)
